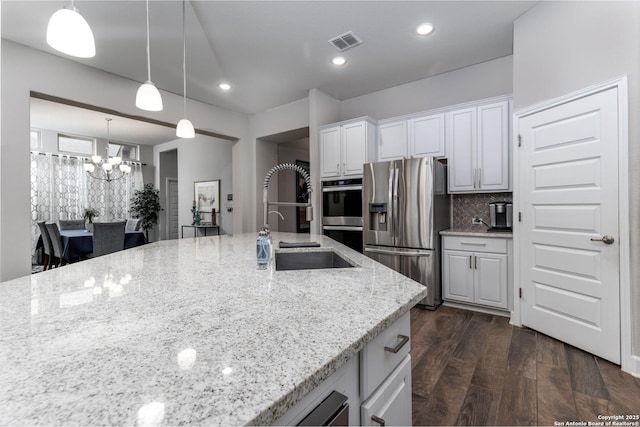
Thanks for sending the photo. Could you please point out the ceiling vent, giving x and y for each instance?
(345, 41)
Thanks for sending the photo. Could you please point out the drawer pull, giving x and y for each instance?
(403, 340)
(377, 420)
(473, 243)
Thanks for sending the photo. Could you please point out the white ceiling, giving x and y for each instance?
(274, 52)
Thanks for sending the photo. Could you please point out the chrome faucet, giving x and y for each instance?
(265, 191)
(279, 214)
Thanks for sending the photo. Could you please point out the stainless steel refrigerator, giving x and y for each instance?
(404, 206)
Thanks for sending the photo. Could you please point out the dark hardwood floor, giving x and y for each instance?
(475, 369)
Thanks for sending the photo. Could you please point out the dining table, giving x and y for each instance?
(79, 243)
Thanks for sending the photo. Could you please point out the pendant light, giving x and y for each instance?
(185, 127)
(148, 96)
(68, 32)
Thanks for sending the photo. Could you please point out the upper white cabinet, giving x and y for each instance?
(412, 137)
(345, 147)
(392, 142)
(426, 136)
(478, 148)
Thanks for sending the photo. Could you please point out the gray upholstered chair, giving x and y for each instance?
(133, 224)
(56, 244)
(108, 237)
(71, 224)
(46, 244)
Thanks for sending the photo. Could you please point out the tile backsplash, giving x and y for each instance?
(467, 206)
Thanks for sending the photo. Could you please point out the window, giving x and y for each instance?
(75, 145)
(35, 140)
(125, 151)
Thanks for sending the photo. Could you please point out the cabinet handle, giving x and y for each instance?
(338, 167)
(377, 420)
(470, 262)
(474, 177)
(475, 262)
(344, 167)
(403, 340)
(473, 243)
(479, 177)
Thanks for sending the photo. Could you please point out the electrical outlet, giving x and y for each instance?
(476, 221)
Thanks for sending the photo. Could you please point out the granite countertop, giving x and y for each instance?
(186, 332)
(476, 231)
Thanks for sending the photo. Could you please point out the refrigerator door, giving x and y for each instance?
(415, 207)
(418, 264)
(378, 212)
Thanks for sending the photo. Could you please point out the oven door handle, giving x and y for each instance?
(343, 188)
(341, 228)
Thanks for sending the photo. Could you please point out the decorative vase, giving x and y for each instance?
(89, 227)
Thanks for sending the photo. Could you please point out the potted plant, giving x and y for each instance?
(145, 204)
(88, 215)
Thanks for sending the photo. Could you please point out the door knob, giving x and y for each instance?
(606, 239)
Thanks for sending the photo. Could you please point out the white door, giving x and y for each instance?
(457, 276)
(461, 136)
(354, 148)
(493, 147)
(330, 152)
(569, 202)
(490, 284)
(172, 208)
(426, 136)
(393, 141)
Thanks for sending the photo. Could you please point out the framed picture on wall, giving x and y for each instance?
(207, 195)
(302, 196)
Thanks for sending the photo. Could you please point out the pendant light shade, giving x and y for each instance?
(69, 33)
(185, 129)
(148, 96)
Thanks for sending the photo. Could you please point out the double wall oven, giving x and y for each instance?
(342, 211)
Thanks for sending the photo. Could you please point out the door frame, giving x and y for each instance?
(167, 233)
(629, 362)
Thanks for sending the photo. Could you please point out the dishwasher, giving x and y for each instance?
(333, 411)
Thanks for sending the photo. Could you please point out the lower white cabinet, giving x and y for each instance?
(390, 404)
(376, 382)
(475, 270)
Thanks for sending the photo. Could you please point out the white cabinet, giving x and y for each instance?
(385, 376)
(391, 403)
(427, 136)
(345, 147)
(478, 148)
(475, 270)
(392, 142)
(413, 137)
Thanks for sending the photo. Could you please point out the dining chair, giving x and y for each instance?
(133, 224)
(71, 224)
(56, 243)
(108, 237)
(46, 243)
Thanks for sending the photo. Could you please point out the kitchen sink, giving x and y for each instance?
(310, 260)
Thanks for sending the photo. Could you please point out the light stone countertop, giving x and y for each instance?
(186, 332)
(476, 231)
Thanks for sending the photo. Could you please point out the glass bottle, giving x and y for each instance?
(263, 250)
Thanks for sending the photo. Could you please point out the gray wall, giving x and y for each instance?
(561, 47)
(486, 80)
(202, 158)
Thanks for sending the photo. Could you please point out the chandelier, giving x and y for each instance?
(108, 169)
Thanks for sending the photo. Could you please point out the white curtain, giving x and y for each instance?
(61, 189)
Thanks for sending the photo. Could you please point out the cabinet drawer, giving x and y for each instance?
(376, 362)
(475, 244)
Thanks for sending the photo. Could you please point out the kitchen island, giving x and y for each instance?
(186, 332)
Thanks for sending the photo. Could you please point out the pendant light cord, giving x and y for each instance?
(148, 50)
(184, 61)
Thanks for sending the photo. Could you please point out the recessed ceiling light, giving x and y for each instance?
(339, 60)
(224, 86)
(425, 29)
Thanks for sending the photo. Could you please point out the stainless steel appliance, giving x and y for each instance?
(501, 216)
(342, 211)
(406, 205)
(333, 411)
